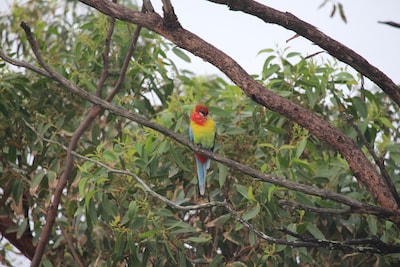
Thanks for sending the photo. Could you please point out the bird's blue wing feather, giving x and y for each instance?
(191, 135)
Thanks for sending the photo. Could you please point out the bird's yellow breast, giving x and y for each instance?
(204, 134)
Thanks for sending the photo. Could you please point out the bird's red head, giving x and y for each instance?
(199, 114)
(202, 110)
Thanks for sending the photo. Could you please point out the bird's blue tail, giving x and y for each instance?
(202, 174)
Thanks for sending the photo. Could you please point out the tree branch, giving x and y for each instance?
(358, 162)
(299, 206)
(170, 19)
(374, 245)
(390, 23)
(310, 32)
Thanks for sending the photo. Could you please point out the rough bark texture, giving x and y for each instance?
(362, 168)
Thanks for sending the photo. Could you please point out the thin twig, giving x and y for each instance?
(320, 210)
(379, 162)
(143, 184)
(70, 245)
(106, 57)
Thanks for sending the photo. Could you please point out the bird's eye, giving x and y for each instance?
(203, 113)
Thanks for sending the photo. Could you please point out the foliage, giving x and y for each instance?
(112, 220)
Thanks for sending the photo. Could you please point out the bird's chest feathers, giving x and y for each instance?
(203, 133)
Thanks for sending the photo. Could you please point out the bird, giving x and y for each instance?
(202, 132)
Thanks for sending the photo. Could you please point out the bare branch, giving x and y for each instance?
(70, 245)
(170, 19)
(390, 23)
(106, 57)
(299, 206)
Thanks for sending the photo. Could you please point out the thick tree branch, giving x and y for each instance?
(358, 162)
(310, 32)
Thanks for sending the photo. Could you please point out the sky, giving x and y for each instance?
(242, 36)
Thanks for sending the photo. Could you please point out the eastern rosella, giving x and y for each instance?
(202, 132)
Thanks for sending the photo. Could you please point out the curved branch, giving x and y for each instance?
(310, 32)
(362, 168)
(374, 245)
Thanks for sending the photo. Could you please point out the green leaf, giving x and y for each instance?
(235, 130)
(271, 191)
(177, 158)
(181, 54)
(372, 224)
(200, 239)
(222, 174)
(269, 70)
(110, 156)
(242, 190)
(253, 212)
(278, 130)
(148, 234)
(300, 148)
(37, 178)
(250, 194)
(22, 228)
(164, 213)
(266, 50)
(17, 189)
(312, 229)
(385, 121)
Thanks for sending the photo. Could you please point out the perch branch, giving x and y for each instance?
(374, 245)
